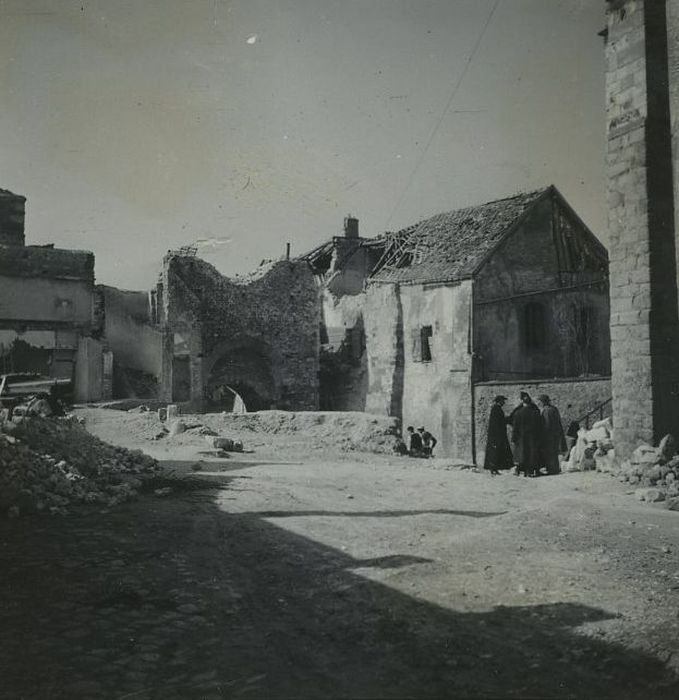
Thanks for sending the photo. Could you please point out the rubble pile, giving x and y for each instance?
(593, 450)
(347, 430)
(655, 470)
(48, 464)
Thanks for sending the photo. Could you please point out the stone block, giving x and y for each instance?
(650, 495)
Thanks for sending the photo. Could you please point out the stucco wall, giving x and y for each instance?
(384, 341)
(89, 370)
(437, 393)
(45, 301)
(574, 398)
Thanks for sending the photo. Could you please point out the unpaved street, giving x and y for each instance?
(327, 576)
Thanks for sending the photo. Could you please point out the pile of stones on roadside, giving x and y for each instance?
(50, 464)
(172, 424)
(593, 450)
(655, 471)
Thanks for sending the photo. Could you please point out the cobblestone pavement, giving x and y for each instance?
(177, 597)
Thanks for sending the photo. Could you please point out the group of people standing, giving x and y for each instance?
(537, 436)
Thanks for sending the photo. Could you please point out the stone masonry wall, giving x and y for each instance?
(272, 317)
(53, 263)
(641, 225)
(573, 397)
(12, 207)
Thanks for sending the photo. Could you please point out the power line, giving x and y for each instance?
(453, 92)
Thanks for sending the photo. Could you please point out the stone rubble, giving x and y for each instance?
(593, 449)
(50, 464)
(654, 471)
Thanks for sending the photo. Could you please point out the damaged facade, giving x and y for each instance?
(253, 339)
(135, 339)
(341, 267)
(49, 323)
(513, 292)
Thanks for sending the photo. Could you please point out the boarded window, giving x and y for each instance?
(421, 344)
(534, 326)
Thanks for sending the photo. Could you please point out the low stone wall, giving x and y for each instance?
(573, 397)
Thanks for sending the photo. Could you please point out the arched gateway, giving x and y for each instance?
(244, 370)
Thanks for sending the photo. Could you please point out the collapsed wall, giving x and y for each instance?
(134, 339)
(343, 355)
(255, 336)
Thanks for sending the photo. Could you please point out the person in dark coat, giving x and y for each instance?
(428, 442)
(498, 453)
(415, 443)
(554, 440)
(527, 436)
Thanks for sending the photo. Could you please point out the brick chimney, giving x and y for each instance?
(350, 227)
(12, 209)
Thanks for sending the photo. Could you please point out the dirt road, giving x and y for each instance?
(331, 576)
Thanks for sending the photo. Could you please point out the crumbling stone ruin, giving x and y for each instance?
(341, 267)
(256, 337)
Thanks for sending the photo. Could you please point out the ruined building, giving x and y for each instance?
(490, 299)
(48, 317)
(642, 108)
(255, 337)
(341, 267)
(135, 339)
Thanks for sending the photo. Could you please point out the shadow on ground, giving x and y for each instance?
(371, 513)
(173, 598)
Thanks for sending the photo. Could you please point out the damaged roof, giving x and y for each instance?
(453, 245)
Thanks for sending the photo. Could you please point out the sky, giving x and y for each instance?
(134, 127)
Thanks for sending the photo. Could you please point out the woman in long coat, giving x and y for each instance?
(498, 453)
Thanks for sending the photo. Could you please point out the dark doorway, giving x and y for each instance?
(181, 378)
(245, 372)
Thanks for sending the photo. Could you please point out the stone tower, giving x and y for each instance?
(641, 203)
(12, 207)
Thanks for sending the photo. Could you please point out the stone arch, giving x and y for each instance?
(243, 366)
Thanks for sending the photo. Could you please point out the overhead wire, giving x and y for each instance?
(438, 123)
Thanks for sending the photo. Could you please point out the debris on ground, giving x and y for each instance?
(593, 450)
(49, 464)
(227, 444)
(348, 431)
(655, 473)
